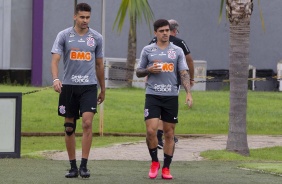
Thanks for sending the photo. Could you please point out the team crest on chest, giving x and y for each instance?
(90, 41)
(171, 54)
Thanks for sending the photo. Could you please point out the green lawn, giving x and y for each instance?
(123, 113)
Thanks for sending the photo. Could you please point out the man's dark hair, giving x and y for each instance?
(160, 23)
(82, 7)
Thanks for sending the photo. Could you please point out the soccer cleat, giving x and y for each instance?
(160, 144)
(175, 139)
(153, 173)
(84, 172)
(73, 173)
(166, 174)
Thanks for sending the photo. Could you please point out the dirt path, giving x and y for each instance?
(187, 149)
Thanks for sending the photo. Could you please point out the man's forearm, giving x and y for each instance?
(190, 64)
(142, 72)
(185, 79)
(100, 75)
(101, 79)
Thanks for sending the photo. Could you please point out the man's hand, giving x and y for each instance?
(189, 100)
(57, 85)
(101, 98)
(156, 68)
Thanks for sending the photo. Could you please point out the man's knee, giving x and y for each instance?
(86, 125)
(70, 128)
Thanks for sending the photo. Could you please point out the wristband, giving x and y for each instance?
(55, 80)
(191, 79)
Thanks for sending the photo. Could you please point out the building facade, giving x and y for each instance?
(29, 28)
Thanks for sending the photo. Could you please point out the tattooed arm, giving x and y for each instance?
(185, 79)
(142, 72)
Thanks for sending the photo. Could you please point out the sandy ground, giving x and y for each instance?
(187, 149)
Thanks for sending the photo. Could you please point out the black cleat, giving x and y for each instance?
(175, 139)
(84, 172)
(73, 173)
(160, 144)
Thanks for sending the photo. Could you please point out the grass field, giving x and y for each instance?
(34, 171)
(123, 113)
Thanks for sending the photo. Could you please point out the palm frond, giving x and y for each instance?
(136, 9)
(261, 17)
(220, 12)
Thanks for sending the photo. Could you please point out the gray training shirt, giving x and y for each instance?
(79, 54)
(172, 60)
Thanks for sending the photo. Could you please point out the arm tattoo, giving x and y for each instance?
(185, 79)
(142, 72)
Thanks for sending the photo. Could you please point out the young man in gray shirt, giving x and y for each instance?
(81, 48)
(160, 62)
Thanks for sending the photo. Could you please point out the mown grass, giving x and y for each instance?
(123, 113)
(261, 154)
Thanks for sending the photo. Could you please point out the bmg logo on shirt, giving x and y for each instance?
(80, 56)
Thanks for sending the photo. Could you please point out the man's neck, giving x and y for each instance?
(162, 45)
(79, 31)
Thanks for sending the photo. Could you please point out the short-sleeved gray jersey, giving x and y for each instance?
(79, 53)
(172, 60)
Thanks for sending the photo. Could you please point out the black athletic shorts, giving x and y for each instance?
(163, 107)
(74, 100)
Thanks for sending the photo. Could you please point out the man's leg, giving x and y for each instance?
(168, 149)
(160, 135)
(87, 118)
(152, 143)
(70, 146)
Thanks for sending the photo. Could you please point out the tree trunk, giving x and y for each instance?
(131, 52)
(239, 16)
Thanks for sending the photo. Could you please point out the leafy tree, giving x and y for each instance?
(135, 10)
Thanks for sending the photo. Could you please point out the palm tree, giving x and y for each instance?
(239, 14)
(135, 9)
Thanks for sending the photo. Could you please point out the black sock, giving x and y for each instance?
(160, 135)
(167, 160)
(154, 154)
(83, 162)
(73, 164)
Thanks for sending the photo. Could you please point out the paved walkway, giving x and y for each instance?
(187, 149)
